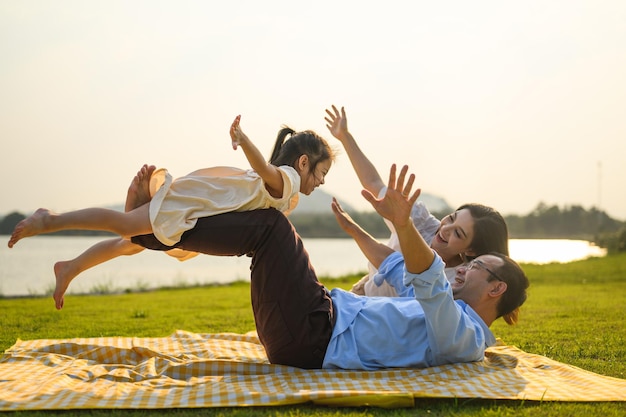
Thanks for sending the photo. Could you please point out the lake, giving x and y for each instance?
(27, 268)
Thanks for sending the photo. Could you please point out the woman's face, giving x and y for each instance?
(309, 181)
(455, 235)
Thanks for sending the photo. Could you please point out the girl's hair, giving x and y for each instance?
(490, 231)
(516, 285)
(309, 143)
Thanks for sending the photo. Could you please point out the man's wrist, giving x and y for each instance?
(404, 225)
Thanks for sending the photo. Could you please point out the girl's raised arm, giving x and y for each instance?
(269, 173)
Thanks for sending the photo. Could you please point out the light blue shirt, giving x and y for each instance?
(392, 271)
(385, 332)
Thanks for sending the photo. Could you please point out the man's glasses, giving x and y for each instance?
(476, 263)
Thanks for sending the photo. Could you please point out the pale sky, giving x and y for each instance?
(504, 103)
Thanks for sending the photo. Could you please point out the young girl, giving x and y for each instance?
(167, 208)
(470, 231)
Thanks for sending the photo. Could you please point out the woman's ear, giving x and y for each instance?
(469, 253)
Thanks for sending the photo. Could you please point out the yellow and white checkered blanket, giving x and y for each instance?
(227, 370)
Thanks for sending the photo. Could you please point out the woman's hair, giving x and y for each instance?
(490, 231)
(309, 143)
(516, 284)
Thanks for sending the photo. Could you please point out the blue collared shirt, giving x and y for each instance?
(385, 332)
(392, 271)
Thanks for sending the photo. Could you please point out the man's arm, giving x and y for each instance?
(395, 206)
(453, 335)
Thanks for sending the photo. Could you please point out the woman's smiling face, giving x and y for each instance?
(455, 235)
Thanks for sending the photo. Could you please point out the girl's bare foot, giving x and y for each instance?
(31, 226)
(139, 189)
(64, 274)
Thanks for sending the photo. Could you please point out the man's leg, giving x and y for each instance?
(292, 310)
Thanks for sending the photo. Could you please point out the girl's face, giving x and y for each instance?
(309, 181)
(454, 236)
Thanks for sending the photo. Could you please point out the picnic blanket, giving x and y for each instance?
(187, 370)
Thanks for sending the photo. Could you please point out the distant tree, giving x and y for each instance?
(613, 242)
(571, 222)
(326, 226)
(8, 223)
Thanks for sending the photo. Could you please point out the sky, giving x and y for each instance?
(509, 104)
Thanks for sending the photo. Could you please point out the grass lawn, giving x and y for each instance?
(574, 314)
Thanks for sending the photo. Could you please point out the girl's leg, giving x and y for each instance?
(135, 222)
(139, 189)
(66, 271)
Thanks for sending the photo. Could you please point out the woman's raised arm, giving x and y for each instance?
(337, 124)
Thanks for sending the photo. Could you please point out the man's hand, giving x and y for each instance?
(396, 204)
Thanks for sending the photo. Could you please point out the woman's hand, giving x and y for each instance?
(374, 251)
(337, 123)
(343, 219)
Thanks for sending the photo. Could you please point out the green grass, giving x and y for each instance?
(574, 314)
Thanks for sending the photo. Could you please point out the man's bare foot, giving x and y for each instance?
(64, 274)
(33, 225)
(139, 189)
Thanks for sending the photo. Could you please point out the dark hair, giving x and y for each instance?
(307, 142)
(490, 231)
(516, 284)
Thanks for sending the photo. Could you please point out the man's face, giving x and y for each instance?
(473, 281)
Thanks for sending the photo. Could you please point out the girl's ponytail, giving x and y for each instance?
(280, 140)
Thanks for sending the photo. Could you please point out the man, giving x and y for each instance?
(302, 324)
(390, 268)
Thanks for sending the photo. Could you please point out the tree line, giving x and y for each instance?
(544, 222)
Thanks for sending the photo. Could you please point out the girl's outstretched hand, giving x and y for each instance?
(337, 123)
(236, 135)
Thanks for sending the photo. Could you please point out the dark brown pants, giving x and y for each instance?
(292, 310)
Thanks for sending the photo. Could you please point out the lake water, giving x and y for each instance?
(27, 268)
